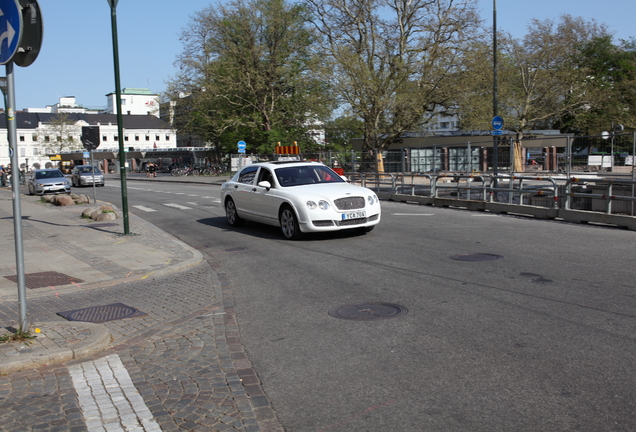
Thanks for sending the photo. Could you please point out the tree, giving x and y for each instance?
(247, 68)
(390, 61)
(539, 80)
(341, 131)
(61, 133)
(610, 76)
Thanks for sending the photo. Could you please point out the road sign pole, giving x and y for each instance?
(94, 187)
(15, 186)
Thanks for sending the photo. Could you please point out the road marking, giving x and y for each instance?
(105, 390)
(193, 203)
(485, 215)
(412, 214)
(178, 206)
(146, 209)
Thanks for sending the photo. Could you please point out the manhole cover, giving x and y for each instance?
(477, 257)
(368, 311)
(45, 279)
(100, 314)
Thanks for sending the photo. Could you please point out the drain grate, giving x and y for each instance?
(45, 279)
(100, 314)
(368, 311)
(477, 257)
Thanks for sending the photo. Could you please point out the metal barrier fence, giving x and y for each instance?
(591, 193)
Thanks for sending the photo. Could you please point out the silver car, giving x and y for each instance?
(50, 181)
(82, 175)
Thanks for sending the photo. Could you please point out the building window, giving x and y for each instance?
(104, 138)
(34, 138)
(22, 152)
(47, 139)
(36, 151)
(116, 138)
(167, 137)
(126, 138)
(22, 138)
(157, 138)
(147, 137)
(136, 137)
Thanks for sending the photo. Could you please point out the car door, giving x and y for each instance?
(242, 191)
(265, 201)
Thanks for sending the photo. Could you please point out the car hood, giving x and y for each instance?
(330, 191)
(51, 180)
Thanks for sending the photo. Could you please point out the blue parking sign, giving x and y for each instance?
(10, 29)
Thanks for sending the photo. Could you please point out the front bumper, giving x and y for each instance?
(52, 189)
(85, 181)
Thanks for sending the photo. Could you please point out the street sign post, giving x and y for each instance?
(497, 123)
(10, 29)
(241, 149)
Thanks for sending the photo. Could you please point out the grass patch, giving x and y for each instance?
(15, 335)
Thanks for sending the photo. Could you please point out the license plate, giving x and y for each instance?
(354, 215)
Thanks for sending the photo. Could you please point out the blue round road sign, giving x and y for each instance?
(497, 123)
(10, 29)
(242, 145)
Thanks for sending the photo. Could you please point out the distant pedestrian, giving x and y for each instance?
(152, 169)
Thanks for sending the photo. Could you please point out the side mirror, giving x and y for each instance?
(265, 184)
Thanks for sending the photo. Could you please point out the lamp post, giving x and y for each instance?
(495, 147)
(120, 126)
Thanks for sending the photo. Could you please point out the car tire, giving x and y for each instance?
(231, 214)
(31, 191)
(289, 224)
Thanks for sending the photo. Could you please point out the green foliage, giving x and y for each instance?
(17, 336)
(247, 73)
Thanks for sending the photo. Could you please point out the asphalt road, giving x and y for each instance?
(541, 338)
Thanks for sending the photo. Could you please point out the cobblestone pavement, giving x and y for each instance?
(184, 359)
(180, 367)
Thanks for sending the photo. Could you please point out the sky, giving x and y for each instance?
(76, 58)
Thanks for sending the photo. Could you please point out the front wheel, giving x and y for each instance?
(289, 224)
(232, 215)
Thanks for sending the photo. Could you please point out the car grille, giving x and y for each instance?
(349, 203)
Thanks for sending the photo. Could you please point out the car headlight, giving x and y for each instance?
(322, 204)
(372, 199)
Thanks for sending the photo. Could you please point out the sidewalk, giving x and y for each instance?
(63, 253)
(177, 361)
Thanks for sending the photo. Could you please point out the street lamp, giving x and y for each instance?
(120, 121)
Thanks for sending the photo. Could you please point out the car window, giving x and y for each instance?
(303, 175)
(247, 175)
(265, 175)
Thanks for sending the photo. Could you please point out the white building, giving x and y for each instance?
(38, 129)
(134, 101)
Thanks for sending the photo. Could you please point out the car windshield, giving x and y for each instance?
(308, 174)
(48, 174)
(88, 170)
